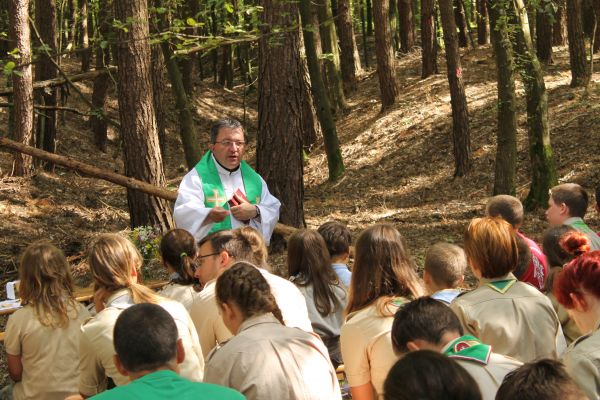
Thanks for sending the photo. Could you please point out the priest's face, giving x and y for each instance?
(229, 147)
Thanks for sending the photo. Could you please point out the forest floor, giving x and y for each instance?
(399, 164)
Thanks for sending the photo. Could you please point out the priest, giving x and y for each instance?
(222, 191)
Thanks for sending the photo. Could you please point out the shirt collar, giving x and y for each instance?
(266, 318)
(222, 170)
(119, 299)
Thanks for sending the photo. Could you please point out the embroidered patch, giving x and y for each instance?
(469, 348)
(501, 286)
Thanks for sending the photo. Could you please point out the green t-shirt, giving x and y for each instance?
(165, 384)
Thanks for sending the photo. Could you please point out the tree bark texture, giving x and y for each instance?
(22, 81)
(385, 57)
(461, 23)
(461, 136)
(506, 147)
(369, 15)
(483, 26)
(543, 23)
(407, 28)
(143, 160)
(350, 63)
(543, 170)
(363, 26)
(45, 20)
(311, 127)
(559, 30)
(596, 6)
(580, 73)
(280, 103)
(428, 39)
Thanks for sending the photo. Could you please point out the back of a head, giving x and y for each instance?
(524, 258)
(46, 282)
(426, 319)
(259, 248)
(491, 244)
(555, 254)
(145, 338)
(509, 208)
(337, 237)
(244, 285)
(445, 263)
(427, 375)
(544, 379)
(573, 196)
(178, 249)
(382, 268)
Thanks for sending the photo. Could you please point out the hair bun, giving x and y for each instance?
(575, 243)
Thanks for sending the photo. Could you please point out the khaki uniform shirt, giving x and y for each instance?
(570, 329)
(267, 360)
(582, 360)
(518, 321)
(97, 350)
(184, 294)
(367, 347)
(50, 356)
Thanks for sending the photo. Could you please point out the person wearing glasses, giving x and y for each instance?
(222, 191)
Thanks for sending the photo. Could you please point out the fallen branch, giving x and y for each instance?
(57, 108)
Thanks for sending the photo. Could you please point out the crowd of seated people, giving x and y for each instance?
(226, 327)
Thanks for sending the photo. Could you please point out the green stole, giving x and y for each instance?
(469, 348)
(214, 194)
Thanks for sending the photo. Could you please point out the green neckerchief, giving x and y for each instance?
(469, 348)
(501, 286)
(214, 194)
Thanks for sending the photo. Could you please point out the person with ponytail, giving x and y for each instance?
(265, 359)
(577, 288)
(383, 278)
(178, 253)
(42, 337)
(114, 263)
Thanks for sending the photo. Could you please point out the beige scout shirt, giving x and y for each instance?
(267, 360)
(184, 294)
(582, 360)
(570, 329)
(517, 320)
(50, 356)
(366, 346)
(97, 350)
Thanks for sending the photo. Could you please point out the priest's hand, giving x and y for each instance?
(244, 212)
(217, 214)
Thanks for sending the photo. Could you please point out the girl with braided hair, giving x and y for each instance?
(265, 359)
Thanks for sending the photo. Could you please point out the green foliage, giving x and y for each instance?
(147, 240)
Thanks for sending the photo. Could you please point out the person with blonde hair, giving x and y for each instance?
(511, 316)
(42, 338)
(114, 263)
(383, 278)
(259, 248)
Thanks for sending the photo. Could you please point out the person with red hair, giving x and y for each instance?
(577, 288)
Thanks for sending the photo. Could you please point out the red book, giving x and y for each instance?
(238, 198)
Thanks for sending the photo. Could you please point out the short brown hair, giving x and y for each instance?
(337, 237)
(573, 196)
(235, 243)
(543, 379)
(491, 244)
(508, 207)
(445, 263)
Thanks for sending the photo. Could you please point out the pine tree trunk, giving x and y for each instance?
(158, 99)
(559, 30)
(332, 63)
(369, 12)
(363, 25)
(385, 57)
(506, 150)
(84, 41)
(101, 82)
(461, 23)
(596, 6)
(407, 29)
(483, 29)
(428, 42)
(580, 73)
(311, 128)
(22, 82)
(461, 136)
(543, 170)
(280, 103)
(332, 145)
(143, 160)
(46, 24)
(544, 33)
(350, 63)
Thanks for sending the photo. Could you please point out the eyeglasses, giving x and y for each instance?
(230, 143)
(207, 255)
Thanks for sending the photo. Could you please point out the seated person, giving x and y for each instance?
(544, 379)
(326, 298)
(558, 257)
(428, 375)
(216, 253)
(178, 253)
(266, 359)
(502, 311)
(444, 271)
(149, 353)
(510, 209)
(338, 239)
(259, 247)
(427, 324)
(567, 206)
